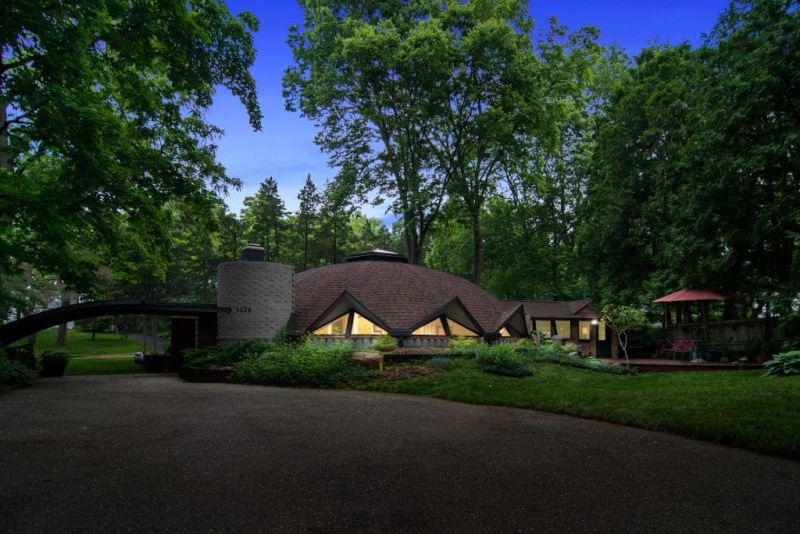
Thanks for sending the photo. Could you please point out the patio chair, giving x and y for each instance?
(682, 346)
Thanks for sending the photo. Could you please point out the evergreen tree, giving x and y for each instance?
(263, 216)
(307, 214)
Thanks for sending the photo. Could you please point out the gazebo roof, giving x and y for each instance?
(691, 295)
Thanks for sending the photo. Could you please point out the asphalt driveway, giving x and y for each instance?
(143, 453)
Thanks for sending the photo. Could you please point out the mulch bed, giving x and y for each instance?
(401, 372)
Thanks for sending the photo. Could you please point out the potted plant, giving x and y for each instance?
(53, 363)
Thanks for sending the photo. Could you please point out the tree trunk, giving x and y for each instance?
(477, 249)
(4, 137)
(335, 247)
(624, 345)
(305, 249)
(61, 336)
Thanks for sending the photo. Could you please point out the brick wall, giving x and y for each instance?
(259, 295)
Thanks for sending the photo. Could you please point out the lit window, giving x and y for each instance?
(563, 329)
(337, 327)
(433, 328)
(364, 327)
(584, 330)
(504, 332)
(458, 330)
(544, 326)
(601, 331)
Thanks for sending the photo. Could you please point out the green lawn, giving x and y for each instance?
(102, 366)
(739, 408)
(81, 344)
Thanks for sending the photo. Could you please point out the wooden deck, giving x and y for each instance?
(652, 365)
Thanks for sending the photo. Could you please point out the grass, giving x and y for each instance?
(738, 408)
(81, 344)
(102, 366)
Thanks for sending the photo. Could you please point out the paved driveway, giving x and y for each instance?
(152, 453)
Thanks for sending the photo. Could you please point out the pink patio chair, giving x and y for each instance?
(681, 346)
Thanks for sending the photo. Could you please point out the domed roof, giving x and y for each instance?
(400, 294)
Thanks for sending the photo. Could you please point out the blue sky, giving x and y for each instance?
(285, 148)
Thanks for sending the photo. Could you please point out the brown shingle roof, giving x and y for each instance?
(556, 309)
(400, 294)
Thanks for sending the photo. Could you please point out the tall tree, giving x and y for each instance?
(232, 238)
(263, 214)
(493, 103)
(307, 213)
(748, 159)
(102, 122)
(369, 75)
(696, 171)
(335, 214)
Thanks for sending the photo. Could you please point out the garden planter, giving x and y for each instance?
(53, 369)
(204, 374)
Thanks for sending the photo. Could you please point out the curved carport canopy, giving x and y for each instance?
(15, 330)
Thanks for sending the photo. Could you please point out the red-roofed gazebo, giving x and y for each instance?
(681, 302)
(691, 295)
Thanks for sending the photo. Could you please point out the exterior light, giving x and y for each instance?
(595, 322)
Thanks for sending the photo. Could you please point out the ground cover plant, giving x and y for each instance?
(309, 363)
(739, 408)
(568, 355)
(784, 364)
(81, 344)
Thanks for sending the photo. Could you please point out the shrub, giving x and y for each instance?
(309, 364)
(462, 344)
(525, 342)
(440, 363)
(790, 326)
(227, 356)
(14, 373)
(502, 360)
(384, 343)
(784, 364)
(53, 358)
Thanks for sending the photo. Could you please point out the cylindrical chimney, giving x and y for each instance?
(253, 252)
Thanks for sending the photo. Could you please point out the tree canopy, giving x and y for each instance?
(103, 124)
(529, 158)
